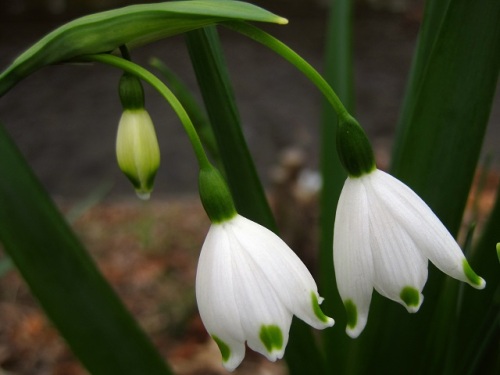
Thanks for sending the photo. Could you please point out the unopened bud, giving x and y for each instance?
(137, 150)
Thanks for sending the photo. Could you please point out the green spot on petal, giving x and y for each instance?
(352, 313)
(473, 278)
(271, 337)
(410, 296)
(317, 310)
(223, 347)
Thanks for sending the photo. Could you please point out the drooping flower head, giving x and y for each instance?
(384, 235)
(249, 283)
(137, 149)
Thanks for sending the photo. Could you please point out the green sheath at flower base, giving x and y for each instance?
(215, 195)
(354, 148)
(131, 92)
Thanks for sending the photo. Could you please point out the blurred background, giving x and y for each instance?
(64, 118)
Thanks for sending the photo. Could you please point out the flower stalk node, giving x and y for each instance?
(131, 92)
(354, 148)
(215, 195)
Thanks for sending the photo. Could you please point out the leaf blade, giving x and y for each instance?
(133, 25)
(63, 277)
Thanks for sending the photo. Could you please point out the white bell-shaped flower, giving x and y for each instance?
(249, 284)
(383, 237)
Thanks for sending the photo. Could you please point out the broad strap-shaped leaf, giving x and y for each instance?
(133, 25)
(441, 133)
(63, 277)
(479, 317)
(217, 92)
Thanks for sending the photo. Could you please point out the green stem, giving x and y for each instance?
(154, 81)
(125, 52)
(292, 57)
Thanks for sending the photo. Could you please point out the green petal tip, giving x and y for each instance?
(352, 313)
(473, 279)
(225, 351)
(272, 337)
(317, 311)
(411, 298)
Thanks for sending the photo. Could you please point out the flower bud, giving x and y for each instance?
(137, 150)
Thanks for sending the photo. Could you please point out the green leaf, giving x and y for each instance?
(133, 25)
(63, 277)
(479, 317)
(216, 89)
(439, 138)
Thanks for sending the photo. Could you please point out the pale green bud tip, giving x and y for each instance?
(318, 312)
(131, 92)
(272, 337)
(352, 314)
(354, 148)
(137, 150)
(411, 298)
(143, 195)
(473, 279)
(225, 351)
(215, 195)
(282, 21)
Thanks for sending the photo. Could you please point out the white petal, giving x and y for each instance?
(400, 268)
(215, 295)
(352, 254)
(257, 301)
(427, 231)
(282, 271)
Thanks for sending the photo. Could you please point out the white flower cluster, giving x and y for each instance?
(250, 283)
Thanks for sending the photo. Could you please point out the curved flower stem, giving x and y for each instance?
(154, 81)
(292, 57)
